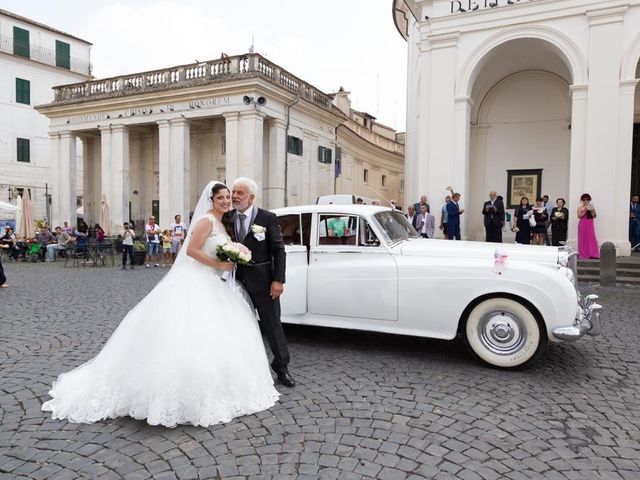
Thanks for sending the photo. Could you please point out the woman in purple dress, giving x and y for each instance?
(587, 242)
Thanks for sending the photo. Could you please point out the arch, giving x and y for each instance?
(563, 45)
(630, 60)
(480, 111)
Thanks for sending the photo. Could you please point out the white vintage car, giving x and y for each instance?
(363, 267)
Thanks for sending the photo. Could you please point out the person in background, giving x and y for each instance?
(548, 207)
(166, 248)
(521, 225)
(66, 228)
(178, 231)
(587, 242)
(423, 199)
(65, 240)
(453, 217)
(3, 277)
(493, 212)
(444, 216)
(541, 216)
(559, 223)
(634, 222)
(10, 241)
(337, 227)
(394, 204)
(128, 236)
(425, 222)
(45, 237)
(411, 216)
(152, 232)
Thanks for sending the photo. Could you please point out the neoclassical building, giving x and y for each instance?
(33, 59)
(528, 96)
(152, 140)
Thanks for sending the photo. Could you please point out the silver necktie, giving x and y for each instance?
(242, 232)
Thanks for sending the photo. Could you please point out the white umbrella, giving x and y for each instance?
(7, 207)
(18, 215)
(105, 217)
(26, 223)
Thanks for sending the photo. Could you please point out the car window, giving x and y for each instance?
(337, 230)
(290, 228)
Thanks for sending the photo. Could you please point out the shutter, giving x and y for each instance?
(21, 42)
(63, 56)
(23, 91)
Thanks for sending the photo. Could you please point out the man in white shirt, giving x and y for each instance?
(178, 231)
(152, 232)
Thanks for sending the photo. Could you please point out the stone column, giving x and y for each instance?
(91, 179)
(120, 191)
(164, 167)
(180, 180)
(579, 95)
(460, 174)
(277, 153)
(626, 106)
(232, 139)
(63, 150)
(105, 170)
(251, 148)
(602, 153)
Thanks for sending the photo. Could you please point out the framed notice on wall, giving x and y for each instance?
(523, 183)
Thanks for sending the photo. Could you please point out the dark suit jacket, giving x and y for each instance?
(268, 255)
(453, 214)
(493, 218)
(414, 221)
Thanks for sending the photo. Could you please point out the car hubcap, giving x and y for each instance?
(502, 333)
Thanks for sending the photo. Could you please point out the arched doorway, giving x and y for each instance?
(520, 121)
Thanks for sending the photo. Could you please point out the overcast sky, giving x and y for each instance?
(328, 43)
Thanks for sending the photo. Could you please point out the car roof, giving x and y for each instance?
(332, 208)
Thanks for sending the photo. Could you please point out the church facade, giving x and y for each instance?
(152, 140)
(524, 97)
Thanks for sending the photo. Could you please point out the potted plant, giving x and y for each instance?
(139, 253)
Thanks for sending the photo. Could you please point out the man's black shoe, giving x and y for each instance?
(286, 379)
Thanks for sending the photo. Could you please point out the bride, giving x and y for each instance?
(189, 352)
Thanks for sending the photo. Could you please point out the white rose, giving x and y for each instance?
(258, 228)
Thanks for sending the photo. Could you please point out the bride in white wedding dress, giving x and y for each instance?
(189, 353)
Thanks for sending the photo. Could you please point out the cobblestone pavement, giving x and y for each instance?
(366, 405)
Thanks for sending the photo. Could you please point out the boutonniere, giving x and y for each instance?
(258, 228)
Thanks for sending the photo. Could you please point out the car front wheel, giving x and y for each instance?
(504, 333)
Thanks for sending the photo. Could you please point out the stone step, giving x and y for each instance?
(627, 273)
(620, 272)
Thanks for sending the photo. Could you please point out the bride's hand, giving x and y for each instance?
(227, 266)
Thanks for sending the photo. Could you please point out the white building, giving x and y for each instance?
(548, 86)
(33, 59)
(152, 140)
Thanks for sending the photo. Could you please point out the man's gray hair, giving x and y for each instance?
(253, 186)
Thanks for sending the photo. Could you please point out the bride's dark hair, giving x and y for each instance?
(217, 187)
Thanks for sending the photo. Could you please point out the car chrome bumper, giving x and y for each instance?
(587, 321)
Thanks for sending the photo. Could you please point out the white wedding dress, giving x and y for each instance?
(189, 352)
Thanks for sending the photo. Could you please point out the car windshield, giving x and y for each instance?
(395, 226)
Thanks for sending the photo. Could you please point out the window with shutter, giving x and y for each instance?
(21, 42)
(24, 150)
(63, 55)
(23, 91)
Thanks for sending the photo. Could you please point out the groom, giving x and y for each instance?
(259, 231)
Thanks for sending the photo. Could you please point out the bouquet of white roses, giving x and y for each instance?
(233, 252)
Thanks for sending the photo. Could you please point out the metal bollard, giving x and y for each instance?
(608, 265)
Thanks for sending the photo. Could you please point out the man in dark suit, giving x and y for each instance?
(264, 279)
(453, 217)
(412, 217)
(634, 222)
(493, 211)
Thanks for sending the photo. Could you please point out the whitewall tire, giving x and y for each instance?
(504, 333)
